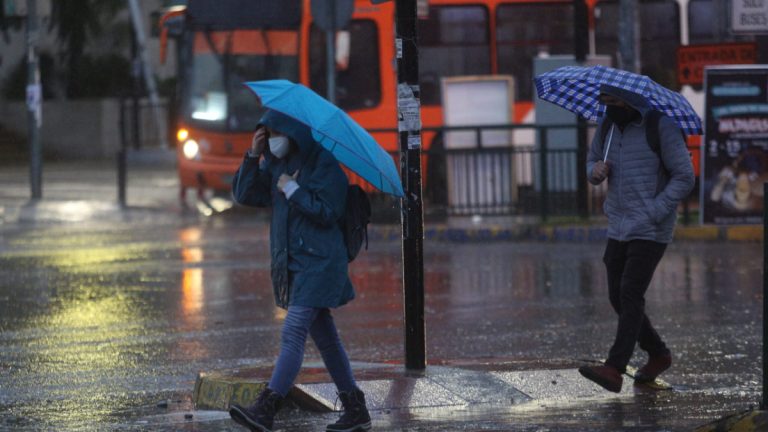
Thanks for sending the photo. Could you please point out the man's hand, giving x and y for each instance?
(259, 141)
(284, 179)
(600, 171)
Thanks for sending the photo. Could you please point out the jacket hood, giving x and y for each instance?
(632, 99)
(294, 129)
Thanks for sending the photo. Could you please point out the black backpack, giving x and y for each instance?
(354, 224)
(652, 134)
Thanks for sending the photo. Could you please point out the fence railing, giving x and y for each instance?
(138, 126)
(474, 170)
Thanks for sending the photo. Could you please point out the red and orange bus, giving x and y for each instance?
(222, 44)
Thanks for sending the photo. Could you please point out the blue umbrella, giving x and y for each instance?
(334, 130)
(577, 88)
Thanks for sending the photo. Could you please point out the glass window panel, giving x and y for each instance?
(659, 37)
(454, 41)
(523, 31)
(214, 95)
(710, 22)
(358, 85)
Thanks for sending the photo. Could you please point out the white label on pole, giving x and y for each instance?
(409, 119)
(749, 16)
(34, 98)
(414, 142)
(399, 48)
(422, 9)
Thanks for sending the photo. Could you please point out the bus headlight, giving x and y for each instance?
(182, 134)
(191, 149)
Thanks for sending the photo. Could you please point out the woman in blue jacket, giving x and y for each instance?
(307, 189)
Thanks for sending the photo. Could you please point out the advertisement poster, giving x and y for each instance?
(735, 145)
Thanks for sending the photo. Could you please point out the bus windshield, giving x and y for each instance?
(220, 62)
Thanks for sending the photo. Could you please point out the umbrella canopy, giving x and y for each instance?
(334, 130)
(577, 88)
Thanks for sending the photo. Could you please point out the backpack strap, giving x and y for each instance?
(652, 134)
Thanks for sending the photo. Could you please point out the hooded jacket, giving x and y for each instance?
(643, 195)
(309, 256)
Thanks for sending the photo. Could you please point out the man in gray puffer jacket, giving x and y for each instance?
(645, 187)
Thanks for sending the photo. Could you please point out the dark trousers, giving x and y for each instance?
(630, 267)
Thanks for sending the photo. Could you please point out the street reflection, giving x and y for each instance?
(193, 294)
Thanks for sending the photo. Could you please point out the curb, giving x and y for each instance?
(54, 211)
(460, 384)
(579, 234)
(221, 390)
(747, 421)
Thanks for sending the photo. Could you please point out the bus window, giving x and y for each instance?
(526, 29)
(453, 41)
(606, 30)
(358, 83)
(214, 96)
(659, 37)
(709, 22)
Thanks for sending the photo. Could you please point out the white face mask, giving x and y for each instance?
(279, 146)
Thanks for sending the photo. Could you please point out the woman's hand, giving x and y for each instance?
(283, 180)
(259, 141)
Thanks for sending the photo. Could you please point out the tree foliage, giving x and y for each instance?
(76, 21)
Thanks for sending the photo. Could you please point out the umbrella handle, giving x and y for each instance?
(610, 135)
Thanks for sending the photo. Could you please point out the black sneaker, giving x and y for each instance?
(260, 416)
(355, 416)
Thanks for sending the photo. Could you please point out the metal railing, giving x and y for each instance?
(469, 170)
(506, 169)
(138, 126)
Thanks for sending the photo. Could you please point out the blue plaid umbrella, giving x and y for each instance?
(577, 88)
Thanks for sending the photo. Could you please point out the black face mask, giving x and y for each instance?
(620, 115)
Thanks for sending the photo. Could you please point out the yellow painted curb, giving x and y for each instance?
(219, 393)
(547, 232)
(697, 233)
(748, 421)
(745, 232)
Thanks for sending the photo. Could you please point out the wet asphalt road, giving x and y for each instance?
(107, 316)
(104, 320)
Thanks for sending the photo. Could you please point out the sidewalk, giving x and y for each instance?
(490, 394)
(388, 386)
(73, 191)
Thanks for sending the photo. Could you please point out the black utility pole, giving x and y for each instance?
(764, 401)
(580, 48)
(409, 127)
(135, 92)
(34, 104)
(331, 16)
(330, 52)
(628, 28)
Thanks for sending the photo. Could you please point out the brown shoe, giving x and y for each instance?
(655, 366)
(608, 377)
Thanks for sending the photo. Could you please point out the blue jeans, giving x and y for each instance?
(319, 324)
